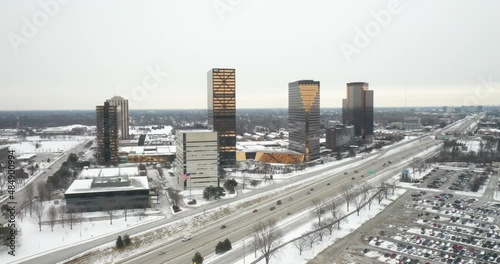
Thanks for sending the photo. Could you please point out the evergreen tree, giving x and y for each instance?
(198, 259)
(119, 242)
(227, 245)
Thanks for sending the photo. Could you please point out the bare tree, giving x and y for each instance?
(53, 214)
(329, 224)
(62, 213)
(30, 192)
(174, 196)
(311, 239)
(267, 238)
(300, 243)
(365, 193)
(42, 192)
(358, 202)
(125, 213)
(320, 230)
(71, 217)
(340, 220)
(332, 208)
(318, 209)
(39, 214)
(111, 213)
(347, 195)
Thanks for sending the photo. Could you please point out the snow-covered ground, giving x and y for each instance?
(45, 146)
(62, 129)
(290, 254)
(139, 130)
(32, 241)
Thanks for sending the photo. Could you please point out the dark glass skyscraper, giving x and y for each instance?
(303, 118)
(107, 134)
(357, 109)
(222, 113)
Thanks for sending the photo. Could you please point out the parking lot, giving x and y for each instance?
(455, 180)
(436, 228)
(434, 225)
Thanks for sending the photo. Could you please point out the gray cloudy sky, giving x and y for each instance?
(70, 54)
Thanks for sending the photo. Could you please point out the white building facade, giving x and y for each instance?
(196, 154)
(122, 115)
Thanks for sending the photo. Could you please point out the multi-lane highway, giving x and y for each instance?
(239, 226)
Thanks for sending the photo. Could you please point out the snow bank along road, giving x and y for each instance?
(240, 226)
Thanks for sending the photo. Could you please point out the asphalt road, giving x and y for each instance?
(21, 196)
(63, 253)
(240, 226)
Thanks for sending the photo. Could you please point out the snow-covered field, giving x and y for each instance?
(46, 146)
(32, 241)
(139, 130)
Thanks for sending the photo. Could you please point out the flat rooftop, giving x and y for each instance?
(84, 186)
(108, 172)
(148, 150)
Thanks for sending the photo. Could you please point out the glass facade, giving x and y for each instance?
(303, 118)
(222, 112)
(357, 109)
(107, 134)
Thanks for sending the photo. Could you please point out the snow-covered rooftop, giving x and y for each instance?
(26, 156)
(148, 150)
(108, 172)
(84, 186)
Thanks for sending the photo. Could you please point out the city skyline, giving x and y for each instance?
(82, 56)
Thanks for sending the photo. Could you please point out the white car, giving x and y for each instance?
(187, 237)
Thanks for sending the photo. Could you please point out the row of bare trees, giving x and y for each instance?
(267, 237)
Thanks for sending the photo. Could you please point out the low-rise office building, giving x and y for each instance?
(107, 189)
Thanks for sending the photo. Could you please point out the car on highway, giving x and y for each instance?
(162, 252)
(187, 237)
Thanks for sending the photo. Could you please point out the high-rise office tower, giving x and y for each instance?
(122, 112)
(107, 134)
(303, 118)
(357, 109)
(196, 155)
(222, 113)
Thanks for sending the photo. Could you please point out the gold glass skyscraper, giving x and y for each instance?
(303, 118)
(222, 113)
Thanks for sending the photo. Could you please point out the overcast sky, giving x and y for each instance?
(72, 54)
